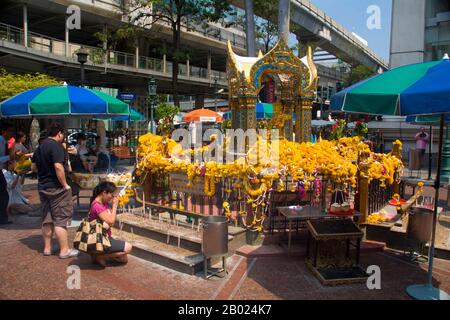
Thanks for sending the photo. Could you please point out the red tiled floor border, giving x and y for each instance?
(236, 279)
(226, 281)
(250, 264)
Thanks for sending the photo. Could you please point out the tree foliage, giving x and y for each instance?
(358, 74)
(166, 110)
(176, 14)
(164, 115)
(12, 84)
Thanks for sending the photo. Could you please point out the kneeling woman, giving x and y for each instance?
(102, 195)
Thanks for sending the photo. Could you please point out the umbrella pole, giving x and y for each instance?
(429, 152)
(427, 291)
(436, 201)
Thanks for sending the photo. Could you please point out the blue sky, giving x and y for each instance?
(352, 15)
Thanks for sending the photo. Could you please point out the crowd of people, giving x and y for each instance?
(89, 159)
(51, 162)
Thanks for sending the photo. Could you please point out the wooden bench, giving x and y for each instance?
(123, 153)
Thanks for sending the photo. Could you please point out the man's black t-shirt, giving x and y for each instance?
(45, 157)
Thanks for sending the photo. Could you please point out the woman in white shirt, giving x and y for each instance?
(17, 201)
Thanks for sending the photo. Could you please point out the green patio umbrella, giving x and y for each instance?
(133, 116)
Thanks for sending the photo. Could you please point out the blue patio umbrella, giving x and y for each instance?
(263, 111)
(133, 116)
(416, 89)
(62, 101)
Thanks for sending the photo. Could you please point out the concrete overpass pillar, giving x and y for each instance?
(164, 63)
(25, 25)
(209, 66)
(136, 52)
(250, 28)
(283, 19)
(303, 46)
(407, 32)
(199, 101)
(105, 46)
(66, 37)
(188, 69)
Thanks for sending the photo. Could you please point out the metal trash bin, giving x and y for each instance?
(419, 224)
(418, 231)
(215, 236)
(214, 242)
(414, 159)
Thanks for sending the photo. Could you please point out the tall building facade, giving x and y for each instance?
(420, 31)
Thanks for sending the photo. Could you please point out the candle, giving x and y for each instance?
(143, 202)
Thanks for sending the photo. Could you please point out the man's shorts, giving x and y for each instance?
(57, 206)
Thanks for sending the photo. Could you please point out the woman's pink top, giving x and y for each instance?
(97, 208)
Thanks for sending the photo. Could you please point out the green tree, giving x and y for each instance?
(358, 74)
(166, 110)
(165, 113)
(177, 13)
(12, 84)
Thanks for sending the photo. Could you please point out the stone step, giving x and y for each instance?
(188, 238)
(183, 235)
(169, 256)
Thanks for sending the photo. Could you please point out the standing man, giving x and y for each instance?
(6, 134)
(54, 191)
(422, 139)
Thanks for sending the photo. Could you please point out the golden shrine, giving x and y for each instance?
(296, 81)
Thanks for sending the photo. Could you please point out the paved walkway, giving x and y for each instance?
(26, 274)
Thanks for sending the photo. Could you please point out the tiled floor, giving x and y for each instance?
(26, 274)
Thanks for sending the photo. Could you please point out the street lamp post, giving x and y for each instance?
(321, 107)
(82, 55)
(151, 100)
(215, 94)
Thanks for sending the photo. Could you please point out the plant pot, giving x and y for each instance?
(253, 238)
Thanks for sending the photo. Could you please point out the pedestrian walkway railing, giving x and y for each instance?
(97, 56)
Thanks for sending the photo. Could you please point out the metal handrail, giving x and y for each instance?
(206, 32)
(97, 55)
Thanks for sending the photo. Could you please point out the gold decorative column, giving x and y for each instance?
(397, 152)
(363, 186)
(298, 113)
(235, 112)
(249, 117)
(304, 121)
(288, 110)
